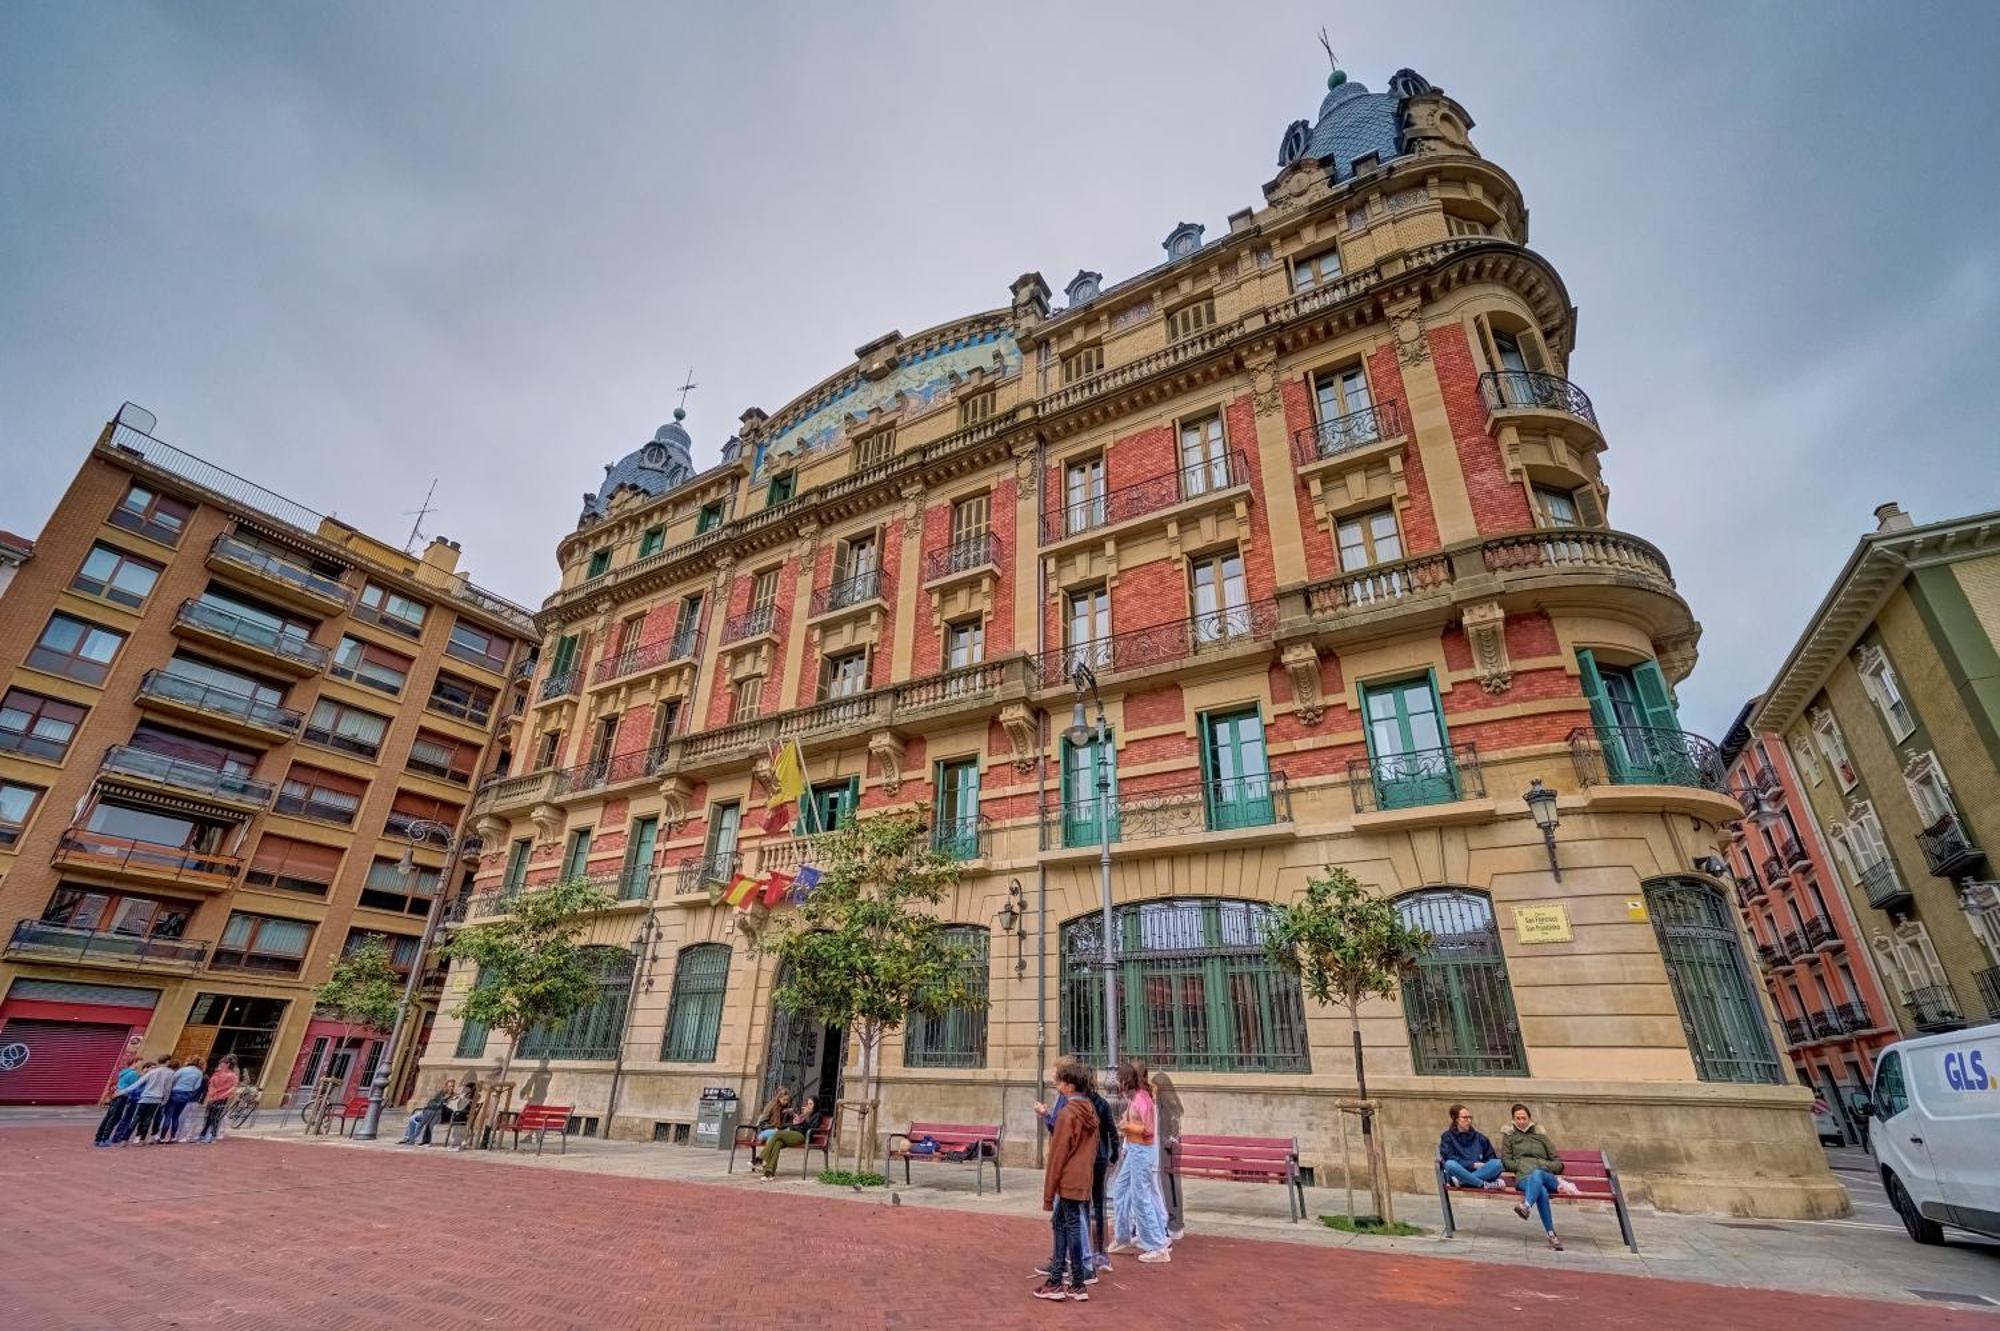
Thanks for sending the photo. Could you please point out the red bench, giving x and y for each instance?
(1238, 1160)
(821, 1140)
(541, 1120)
(348, 1113)
(956, 1143)
(1590, 1171)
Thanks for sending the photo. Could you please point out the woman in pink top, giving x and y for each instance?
(221, 1085)
(1135, 1196)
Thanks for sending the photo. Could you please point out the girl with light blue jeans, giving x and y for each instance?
(1137, 1215)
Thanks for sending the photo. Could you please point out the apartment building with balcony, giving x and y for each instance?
(1818, 969)
(1315, 504)
(226, 719)
(1889, 705)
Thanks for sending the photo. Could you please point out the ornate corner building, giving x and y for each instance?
(1315, 505)
(227, 720)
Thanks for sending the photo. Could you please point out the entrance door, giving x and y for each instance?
(1407, 756)
(1238, 771)
(804, 1056)
(1725, 1026)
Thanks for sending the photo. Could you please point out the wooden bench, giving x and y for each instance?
(979, 1141)
(1590, 1171)
(1238, 1160)
(821, 1140)
(348, 1113)
(540, 1120)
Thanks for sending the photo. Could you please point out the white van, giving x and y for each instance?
(1934, 1130)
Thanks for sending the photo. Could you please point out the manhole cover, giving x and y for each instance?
(1949, 1296)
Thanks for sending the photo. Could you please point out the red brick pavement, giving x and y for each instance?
(256, 1234)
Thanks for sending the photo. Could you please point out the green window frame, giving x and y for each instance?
(1410, 759)
(1079, 790)
(472, 1035)
(694, 1016)
(636, 881)
(600, 563)
(955, 828)
(1638, 728)
(1235, 770)
(563, 659)
(709, 518)
(780, 488)
(956, 1037)
(1712, 982)
(595, 1030)
(576, 856)
(652, 541)
(1196, 990)
(1457, 1002)
(828, 805)
(517, 865)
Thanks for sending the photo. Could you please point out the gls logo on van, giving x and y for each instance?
(1967, 1072)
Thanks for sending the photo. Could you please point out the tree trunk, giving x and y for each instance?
(1378, 1182)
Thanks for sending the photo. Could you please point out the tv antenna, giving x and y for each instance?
(417, 527)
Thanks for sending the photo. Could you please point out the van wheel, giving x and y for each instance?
(1921, 1230)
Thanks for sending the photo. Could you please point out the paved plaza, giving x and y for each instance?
(265, 1230)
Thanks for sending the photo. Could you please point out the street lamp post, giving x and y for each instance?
(1080, 733)
(421, 829)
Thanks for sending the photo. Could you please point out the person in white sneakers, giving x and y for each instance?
(1137, 1216)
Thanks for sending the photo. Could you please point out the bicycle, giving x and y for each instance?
(243, 1105)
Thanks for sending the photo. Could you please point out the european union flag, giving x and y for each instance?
(804, 882)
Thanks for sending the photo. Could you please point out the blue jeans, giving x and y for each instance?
(417, 1122)
(1536, 1188)
(1069, 1220)
(1135, 1198)
(170, 1118)
(1472, 1178)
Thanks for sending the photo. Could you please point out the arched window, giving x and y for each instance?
(1195, 989)
(694, 1016)
(1457, 1002)
(1726, 1030)
(955, 1038)
(596, 1028)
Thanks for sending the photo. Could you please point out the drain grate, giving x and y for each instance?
(1951, 1296)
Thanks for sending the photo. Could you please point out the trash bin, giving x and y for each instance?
(715, 1120)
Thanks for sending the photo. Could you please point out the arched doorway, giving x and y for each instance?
(1726, 1030)
(802, 1054)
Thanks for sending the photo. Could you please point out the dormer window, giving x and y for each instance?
(654, 456)
(600, 564)
(1084, 287)
(709, 518)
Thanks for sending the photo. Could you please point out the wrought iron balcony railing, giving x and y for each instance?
(1825, 1025)
(683, 645)
(146, 765)
(758, 619)
(1422, 776)
(198, 614)
(229, 549)
(610, 770)
(1108, 508)
(1178, 810)
(1794, 945)
(1854, 1017)
(962, 838)
(1797, 1032)
(1646, 755)
(695, 875)
(99, 947)
(1819, 932)
(979, 550)
(84, 848)
(1344, 434)
(1772, 956)
(851, 590)
(1532, 390)
(166, 686)
(1948, 848)
(562, 685)
(1934, 1007)
(1175, 640)
(1988, 984)
(1883, 886)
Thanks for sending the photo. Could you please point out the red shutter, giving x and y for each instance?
(68, 1063)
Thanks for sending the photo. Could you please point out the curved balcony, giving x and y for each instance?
(1646, 755)
(1099, 513)
(168, 692)
(1340, 435)
(1593, 548)
(287, 580)
(1532, 390)
(1379, 586)
(242, 636)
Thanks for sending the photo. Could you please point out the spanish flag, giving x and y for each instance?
(788, 776)
(741, 890)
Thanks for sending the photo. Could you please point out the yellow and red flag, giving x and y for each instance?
(788, 776)
(741, 890)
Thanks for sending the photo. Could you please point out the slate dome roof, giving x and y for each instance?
(654, 468)
(1354, 122)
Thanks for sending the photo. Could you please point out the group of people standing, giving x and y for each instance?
(150, 1101)
(1470, 1161)
(1095, 1157)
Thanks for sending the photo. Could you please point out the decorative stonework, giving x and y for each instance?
(1301, 661)
(1264, 384)
(491, 830)
(1412, 347)
(676, 794)
(887, 750)
(548, 821)
(1486, 631)
(1019, 724)
(1676, 656)
(1024, 460)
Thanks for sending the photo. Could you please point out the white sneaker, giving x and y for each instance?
(1121, 1246)
(1157, 1255)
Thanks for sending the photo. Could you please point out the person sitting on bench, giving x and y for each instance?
(1469, 1159)
(1528, 1155)
(774, 1115)
(796, 1129)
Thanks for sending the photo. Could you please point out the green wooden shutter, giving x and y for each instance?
(1601, 715)
(565, 655)
(1655, 696)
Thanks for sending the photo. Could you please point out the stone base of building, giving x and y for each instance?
(1746, 1150)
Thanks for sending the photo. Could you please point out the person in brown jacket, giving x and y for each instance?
(1066, 1185)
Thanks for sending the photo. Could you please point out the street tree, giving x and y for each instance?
(1348, 945)
(864, 950)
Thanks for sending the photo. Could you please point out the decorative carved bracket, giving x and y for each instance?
(676, 793)
(1019, 724)
(1301, 661)
(548, 821)
(1486, 630)
(887, 750)
(491, 830)
(1677, 655)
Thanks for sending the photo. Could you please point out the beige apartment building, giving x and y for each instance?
(227, 721)
(1318, 510)
(1890, 707)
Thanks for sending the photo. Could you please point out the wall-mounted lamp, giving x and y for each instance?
(1712, 865)
(1541, 802)
(1013, 919)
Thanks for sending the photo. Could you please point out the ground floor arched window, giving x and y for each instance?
(1457, 1002)
(956, 1037)
(1726, 1030)
(694, 1015)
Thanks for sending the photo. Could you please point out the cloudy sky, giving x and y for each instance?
(345, 249)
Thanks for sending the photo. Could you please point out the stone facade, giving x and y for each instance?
(192, 836)
(1316, 504)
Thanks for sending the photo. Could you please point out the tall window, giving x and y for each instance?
(687, 629)
(563, 660)
(829, 805)
(263, 943)
(76, 648)
(472, 1035)
(1089, 629)
(155, 516)
(976, 408)
(35, 726)
(764, 590)
(955, 830)
(1555, 508)
(1409, 761)
(854, 569)
(366, 664)
(1367, 539)
(877, 447)
(1637, 725)
(1316, 270)
(964, 643)
(110, 574)
(749, 700)
(1341, 394)
(1196, 990)
(517, 865)
(548, 749)
(956, 1037)
(970, 519)
(1084, 495)
(349, 729)
(1080, 766)
(1236, 773)
(1220, 597)
(1457, 1002)
(1878, 677)
(724, 823)
(1928, 790)
(594, 1030)
(392, 610)
(1712, 986)
(666, 722)
(780, 488)
(1833, 747)
(636, 880)
(694, 1015)
(652, 541)
(1204, 456)
(600, 564)
(709, 518)
(576, 856)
